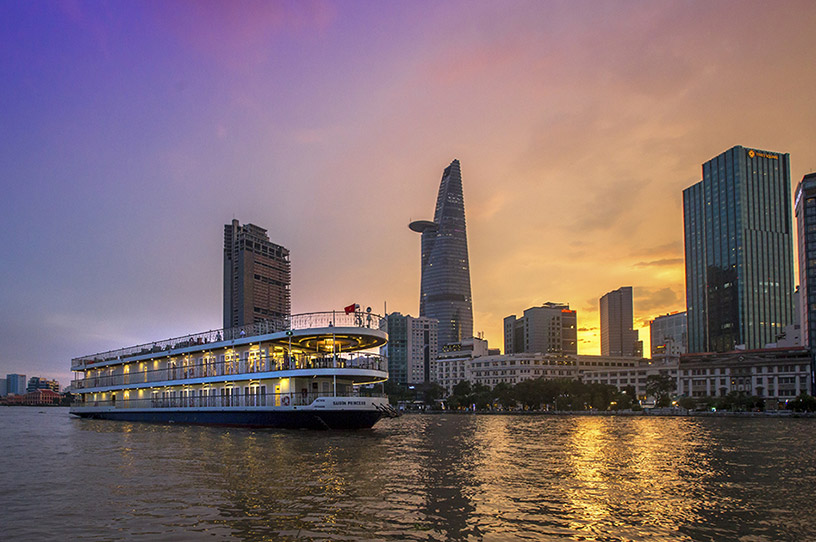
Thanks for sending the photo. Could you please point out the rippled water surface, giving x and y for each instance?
(436, 477)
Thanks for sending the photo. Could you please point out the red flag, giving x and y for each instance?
(351, 308)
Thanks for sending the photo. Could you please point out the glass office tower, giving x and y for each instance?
(739, 255)
(806, 228)
(445, 282)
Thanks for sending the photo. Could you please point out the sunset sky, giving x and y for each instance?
(133, 131)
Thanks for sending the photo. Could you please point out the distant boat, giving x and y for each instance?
(314, 370)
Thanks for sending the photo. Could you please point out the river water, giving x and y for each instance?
(418, 477)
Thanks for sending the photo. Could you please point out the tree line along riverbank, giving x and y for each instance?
(574, 396)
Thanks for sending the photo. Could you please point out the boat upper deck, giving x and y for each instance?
(310, 332)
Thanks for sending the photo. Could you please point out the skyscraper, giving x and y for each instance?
(618, 338)
(806, 228)
(550, 328)
(445, 283)
(739, 256)
(256, 276)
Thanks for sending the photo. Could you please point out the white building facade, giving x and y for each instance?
(453, 364)
(634, 375)
(775, 374)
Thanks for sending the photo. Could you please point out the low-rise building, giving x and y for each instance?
(633, 375)
(621, 372)
(453, 363)
(514, 368)
(776, 374)
(33, 398)
(42, 397)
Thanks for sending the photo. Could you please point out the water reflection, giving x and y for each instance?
(447, 473)
(443, 477)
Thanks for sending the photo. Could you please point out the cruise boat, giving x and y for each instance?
(315, 370)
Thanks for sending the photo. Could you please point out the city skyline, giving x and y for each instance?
(131, 139)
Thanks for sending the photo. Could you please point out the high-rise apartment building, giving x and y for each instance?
(15, 384)
(668, 335)
(445, 282)
(412, 346)
(806, 228)
(739, 255)
(618, 336)
(257, 276)
(550, 328)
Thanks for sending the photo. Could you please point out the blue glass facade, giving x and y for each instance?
(806, 226)
(739, 255)
(445, 283)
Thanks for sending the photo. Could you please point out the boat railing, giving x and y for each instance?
(264, 327)
(237, 367)
(251, 398)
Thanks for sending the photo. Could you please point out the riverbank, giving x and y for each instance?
(663, 412)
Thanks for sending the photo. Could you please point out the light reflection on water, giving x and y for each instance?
(440, 477)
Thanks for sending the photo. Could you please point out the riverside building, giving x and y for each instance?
(738, 251)
(618, 338)
(514, 368)
(630, 373)
(257, 277)
(775, 374)
(550, 328)
(445, 293)
(476, 364)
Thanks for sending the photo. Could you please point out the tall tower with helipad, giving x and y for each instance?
(445, 284)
